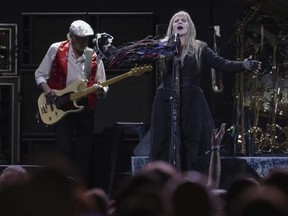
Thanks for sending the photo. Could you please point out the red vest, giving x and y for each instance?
(58, 75)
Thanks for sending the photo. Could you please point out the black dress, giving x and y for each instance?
(196, 121)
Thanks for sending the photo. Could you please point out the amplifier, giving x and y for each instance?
(8, 49)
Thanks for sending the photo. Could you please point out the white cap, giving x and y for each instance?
(81, 28)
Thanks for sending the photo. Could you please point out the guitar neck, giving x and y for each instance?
(91, 89)
(116, 79)
(82, 93)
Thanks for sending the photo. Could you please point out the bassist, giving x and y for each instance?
(64, 63)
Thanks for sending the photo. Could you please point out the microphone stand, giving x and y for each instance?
(175, 144)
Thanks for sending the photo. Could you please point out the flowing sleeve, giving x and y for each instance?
(213, 60)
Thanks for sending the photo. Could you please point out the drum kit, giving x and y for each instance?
(265, 93)
(269, 112)
(266, 97)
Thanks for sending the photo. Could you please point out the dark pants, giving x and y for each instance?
(74, 137)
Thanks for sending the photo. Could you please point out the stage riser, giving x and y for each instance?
(232, 167)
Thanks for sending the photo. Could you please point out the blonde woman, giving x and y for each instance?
(195, 122)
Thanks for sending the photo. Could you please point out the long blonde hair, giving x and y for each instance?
(191, 45)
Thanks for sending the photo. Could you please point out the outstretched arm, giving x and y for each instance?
(215, 162)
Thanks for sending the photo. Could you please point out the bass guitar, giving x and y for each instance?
(51, 110)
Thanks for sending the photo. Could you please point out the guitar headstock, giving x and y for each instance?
(137, 71)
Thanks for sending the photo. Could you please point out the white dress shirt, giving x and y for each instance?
(75, 67)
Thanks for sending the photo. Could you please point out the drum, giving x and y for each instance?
(266, 92)
(275, 94)
(258, 93)
(267, 101)
(266, 83)
(252, 94)
(283, 101)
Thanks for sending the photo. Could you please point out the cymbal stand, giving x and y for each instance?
(256, 95)
(269, 140)
(239, 135)
(256, 101)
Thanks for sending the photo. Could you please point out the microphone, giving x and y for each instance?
(177, 43)
(176, 37)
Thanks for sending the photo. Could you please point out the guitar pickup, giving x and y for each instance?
(51, 106)
(44, 108)
(50, 102)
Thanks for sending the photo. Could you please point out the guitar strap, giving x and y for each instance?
(88, 60)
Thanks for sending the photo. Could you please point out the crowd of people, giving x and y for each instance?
(158, 189)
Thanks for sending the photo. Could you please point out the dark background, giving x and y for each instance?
(203, 12)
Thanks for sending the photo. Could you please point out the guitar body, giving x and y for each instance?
(53, 110)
